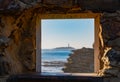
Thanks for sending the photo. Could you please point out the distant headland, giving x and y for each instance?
(64, 48)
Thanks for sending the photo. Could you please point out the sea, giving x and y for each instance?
(53, 60)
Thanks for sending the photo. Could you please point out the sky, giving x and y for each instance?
(77, 33)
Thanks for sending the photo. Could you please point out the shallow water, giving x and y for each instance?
(55, 60)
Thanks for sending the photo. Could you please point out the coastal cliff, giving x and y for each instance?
(81, 61)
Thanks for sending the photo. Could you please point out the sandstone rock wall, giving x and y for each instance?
(110, 49)
(17, 32)
(81, 61)
(17, 43)
(93, 5)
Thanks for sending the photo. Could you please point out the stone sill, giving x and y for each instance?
(70, 74)
(66, 77)
(60, 77)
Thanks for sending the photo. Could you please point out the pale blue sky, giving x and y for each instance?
(61, 32)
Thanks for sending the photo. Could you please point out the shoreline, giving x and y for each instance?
(53, 63)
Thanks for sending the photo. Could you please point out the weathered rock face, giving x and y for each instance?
(81, 61)
(4, 3)
(111, 39)
(94, 5)
(17, 43)
(4, 64)
(17, 31)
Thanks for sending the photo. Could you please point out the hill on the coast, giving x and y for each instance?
(64, 48)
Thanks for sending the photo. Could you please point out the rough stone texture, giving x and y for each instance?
(111, 79)
(17, 43)
(4, 64)
(111, 50)
(17, 31)
(81, 61)
(7, 6)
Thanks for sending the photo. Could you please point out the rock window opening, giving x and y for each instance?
(68, 45)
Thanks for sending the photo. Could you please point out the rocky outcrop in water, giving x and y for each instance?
(81, 61)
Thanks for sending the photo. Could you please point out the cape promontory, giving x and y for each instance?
(64, 48)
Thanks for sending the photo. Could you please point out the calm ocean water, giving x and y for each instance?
(53, 60)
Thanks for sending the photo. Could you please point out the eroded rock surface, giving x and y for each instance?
(110, 32)
(17, 31)
(81, 61)
(17, 43)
